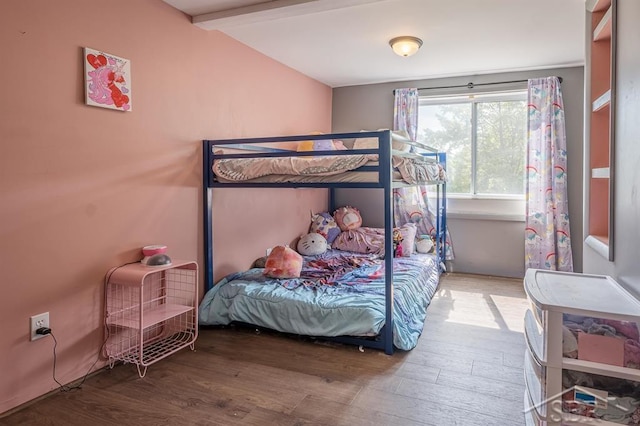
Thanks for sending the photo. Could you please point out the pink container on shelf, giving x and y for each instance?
(603, 349)
(154, 249)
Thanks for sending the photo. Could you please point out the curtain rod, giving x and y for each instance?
(471, 85)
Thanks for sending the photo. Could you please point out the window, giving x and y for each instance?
(484, 137)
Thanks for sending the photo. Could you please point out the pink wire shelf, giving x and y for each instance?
(151, 312)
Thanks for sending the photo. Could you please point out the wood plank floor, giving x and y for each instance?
(466, 370)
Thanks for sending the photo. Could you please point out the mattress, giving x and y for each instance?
(345, 177)
(327, 169)
(349, 301)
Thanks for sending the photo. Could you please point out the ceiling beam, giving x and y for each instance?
(268, 11)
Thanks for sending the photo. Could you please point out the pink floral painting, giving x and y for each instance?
(108, 80)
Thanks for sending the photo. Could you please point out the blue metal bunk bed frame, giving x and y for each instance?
(384, 168)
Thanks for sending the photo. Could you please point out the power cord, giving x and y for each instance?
(46, 330)
(108, 276)
(66, 388)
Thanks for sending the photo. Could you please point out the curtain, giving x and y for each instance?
(405, 112)
(547, 237)
(411, 205)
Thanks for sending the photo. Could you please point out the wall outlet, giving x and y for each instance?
(38, 321)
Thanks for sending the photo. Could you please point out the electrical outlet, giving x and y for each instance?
(38, 321)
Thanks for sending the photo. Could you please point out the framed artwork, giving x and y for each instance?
(107, 80)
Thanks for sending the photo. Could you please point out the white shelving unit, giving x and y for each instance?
(151, 312)
(600, 120)
(602, 31)
(600, 173)
(602, 101)
(553, 294)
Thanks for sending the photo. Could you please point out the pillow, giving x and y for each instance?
(361, 240)
(283, 262)
(305, 146)
(325, 225)
(365, 143)
(339, 145)
(348, 218)
(408, 232)
(320, 145)
(371, 240)
(398, 141)
(312, 244)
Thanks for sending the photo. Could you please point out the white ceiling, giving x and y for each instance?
(345, 42)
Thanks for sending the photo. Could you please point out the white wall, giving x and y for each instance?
(487, 246)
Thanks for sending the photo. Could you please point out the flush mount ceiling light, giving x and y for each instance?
(405, 45)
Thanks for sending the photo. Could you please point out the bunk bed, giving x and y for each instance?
(274, 162)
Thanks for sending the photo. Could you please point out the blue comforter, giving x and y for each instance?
(337, 294)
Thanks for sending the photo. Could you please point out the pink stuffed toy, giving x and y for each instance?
(283, 262)
(348, 218)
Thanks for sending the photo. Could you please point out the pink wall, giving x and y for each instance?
(83, 188)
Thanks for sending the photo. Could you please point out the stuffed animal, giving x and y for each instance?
(347, 218)
(424, 244)
(259, 262)
(316, 145)
(397, 240)
(320, 145)
(325, 225)
(283, 262)
(312, 244)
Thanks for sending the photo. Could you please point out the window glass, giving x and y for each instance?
(447, 127)
(484, 137)
(500, 149)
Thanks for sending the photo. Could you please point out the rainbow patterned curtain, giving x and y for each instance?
(547, 236)
(411, 204)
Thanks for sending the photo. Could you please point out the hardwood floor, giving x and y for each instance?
(466, 370)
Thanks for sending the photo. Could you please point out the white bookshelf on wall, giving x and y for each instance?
(603, 101)
(601, 47)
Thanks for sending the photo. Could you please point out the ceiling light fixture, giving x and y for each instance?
(405, 45)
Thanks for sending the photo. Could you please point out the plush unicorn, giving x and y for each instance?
(325, 225)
